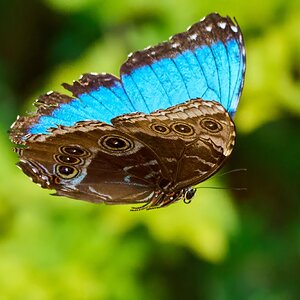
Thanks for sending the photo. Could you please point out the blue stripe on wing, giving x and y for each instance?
(92, 102)
(237, 69)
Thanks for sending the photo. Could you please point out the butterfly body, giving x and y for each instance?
(148, 137)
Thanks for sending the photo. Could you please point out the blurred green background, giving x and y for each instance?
(226, 244)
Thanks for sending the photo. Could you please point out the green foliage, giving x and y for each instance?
(226, 244)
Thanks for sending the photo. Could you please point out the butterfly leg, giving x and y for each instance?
(170, 198)
(154, 202)
(160, 199)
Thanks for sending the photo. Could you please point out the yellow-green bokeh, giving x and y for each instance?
(224, 245)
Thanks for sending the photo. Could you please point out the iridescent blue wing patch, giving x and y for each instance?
(99, 97)
(207, 61)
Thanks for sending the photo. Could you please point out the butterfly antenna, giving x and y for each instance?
(221, 188)
(232, 171)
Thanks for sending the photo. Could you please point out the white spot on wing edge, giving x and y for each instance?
(208, 28)
(234, 28)
(243, 51)
(241, 38)
(193, 36)
(175, 45)
(222, 25)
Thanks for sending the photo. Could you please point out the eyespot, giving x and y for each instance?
(183, 128)
(66, 172)
(160, 128)
(116, 143)
(211, 125)
(74, 151)
(70, 160)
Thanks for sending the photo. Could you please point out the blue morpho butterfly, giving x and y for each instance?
(148, 137)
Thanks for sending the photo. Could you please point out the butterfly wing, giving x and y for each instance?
(142, 154)
(91, 161)
(207, 61)
(98, 97)
(192, 140)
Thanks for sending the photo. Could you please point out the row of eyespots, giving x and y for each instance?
(118, 143)
(185, 129)
(178, 127)
(69, 157)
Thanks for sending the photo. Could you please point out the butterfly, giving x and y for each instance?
(147, 137)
